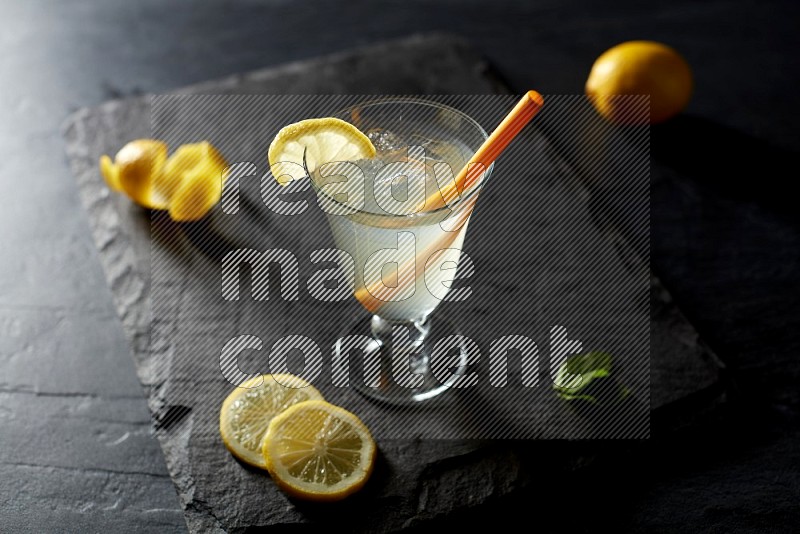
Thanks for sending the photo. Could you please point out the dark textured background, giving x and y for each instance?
(74, 440)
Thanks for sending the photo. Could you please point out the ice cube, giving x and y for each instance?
(385, 141)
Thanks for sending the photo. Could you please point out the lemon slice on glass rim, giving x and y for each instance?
(311, 143)
(248, 410)
(317, 451)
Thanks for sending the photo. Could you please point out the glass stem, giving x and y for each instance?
(404, 337)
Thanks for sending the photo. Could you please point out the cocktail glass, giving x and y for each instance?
(377, 225)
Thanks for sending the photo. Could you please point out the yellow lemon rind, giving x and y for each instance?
(193, 180)
(139, 165)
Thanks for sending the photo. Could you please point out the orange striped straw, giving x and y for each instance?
(494, 145)
(489, 151)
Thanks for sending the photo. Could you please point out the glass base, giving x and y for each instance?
(394, 366)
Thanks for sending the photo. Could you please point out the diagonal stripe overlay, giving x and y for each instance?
(557, 238)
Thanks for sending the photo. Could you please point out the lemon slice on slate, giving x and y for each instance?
(317, 451)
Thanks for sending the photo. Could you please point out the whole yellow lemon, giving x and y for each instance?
(639, 68)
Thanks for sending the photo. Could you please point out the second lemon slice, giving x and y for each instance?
(318, 451)
(321, 141)
(248, 410)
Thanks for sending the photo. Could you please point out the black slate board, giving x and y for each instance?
(415, 480)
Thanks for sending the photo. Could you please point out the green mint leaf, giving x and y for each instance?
(579, 370)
